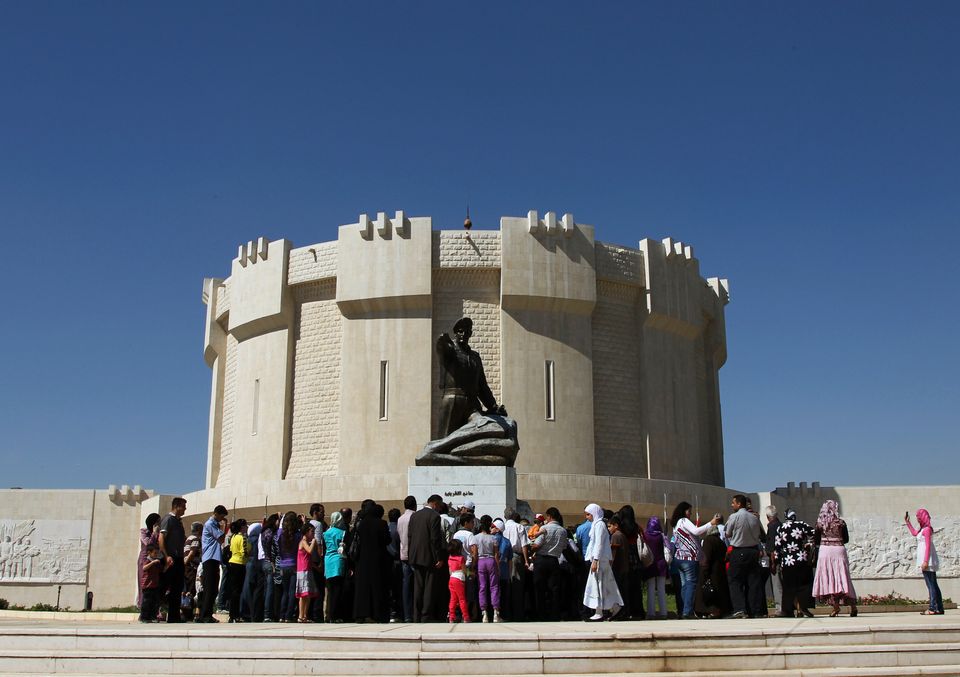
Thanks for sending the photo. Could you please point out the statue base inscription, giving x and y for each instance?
(491, 488)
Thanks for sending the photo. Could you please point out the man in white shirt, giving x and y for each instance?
(403, 530)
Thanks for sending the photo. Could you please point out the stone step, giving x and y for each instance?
(509, 638)
(490, 661)
(825, 672)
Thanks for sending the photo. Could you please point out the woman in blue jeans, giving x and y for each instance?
(288, 539)
(927, 560)
(686, 538)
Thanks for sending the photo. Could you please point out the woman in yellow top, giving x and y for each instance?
(237, 566)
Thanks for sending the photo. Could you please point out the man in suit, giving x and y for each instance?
(427, 555)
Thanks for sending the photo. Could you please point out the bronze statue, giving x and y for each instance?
(462, 380)
(471, 428)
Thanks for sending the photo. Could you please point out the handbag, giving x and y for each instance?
(668, 551)
(354, 552)
(225, 551)
(646, 555)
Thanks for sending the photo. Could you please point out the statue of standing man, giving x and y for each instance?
(462, 380)
(471, 428)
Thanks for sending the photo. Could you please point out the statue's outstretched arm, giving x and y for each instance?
(444, 345)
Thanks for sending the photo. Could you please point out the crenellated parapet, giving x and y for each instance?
(549, 225)
(548, 264)
(214, 335)
(674, 289)
(384, 264)
(384, 226)
(260, 299)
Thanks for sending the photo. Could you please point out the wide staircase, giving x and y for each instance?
(884, 644)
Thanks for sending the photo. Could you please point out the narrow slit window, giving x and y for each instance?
(549, 390)
(384, 389)
(256, 406)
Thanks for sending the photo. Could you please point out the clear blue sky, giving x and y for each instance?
(808, 151)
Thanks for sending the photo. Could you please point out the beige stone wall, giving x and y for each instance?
(619, 264)
(222, 467)
(313, 263)
(618, 434)
(548, 292)
(223, 300)
(571, 494)
(460, 249)
(385, 297)
(682, 349)
(315, 429)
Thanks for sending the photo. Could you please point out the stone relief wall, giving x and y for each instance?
(44, 551)
(881, 547)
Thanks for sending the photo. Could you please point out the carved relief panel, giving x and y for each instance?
(881, 547)
(44, 551)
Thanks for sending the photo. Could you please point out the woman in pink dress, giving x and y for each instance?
(832, 584)
(306, 584)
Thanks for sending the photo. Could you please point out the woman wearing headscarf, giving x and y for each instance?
(793, 548)
(927, 560)
(334, 566)
(712, 599)
(832, 584)
(656, 573)
(148, 536)
(371, 590)
(601, 593)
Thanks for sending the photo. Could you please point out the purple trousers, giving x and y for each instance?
(489, 583)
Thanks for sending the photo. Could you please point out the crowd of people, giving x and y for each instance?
(444, 564)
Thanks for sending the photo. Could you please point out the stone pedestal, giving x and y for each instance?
(492, 488)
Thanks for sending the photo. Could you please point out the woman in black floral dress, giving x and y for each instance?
(794, 554)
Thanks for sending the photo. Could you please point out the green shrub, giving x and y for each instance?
(4, 604)
(40, 606)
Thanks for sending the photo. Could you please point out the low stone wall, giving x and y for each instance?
(881, 550)
(70, 542)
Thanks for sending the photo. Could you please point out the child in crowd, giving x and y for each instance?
(927, 560)
(306, 584)
(150, 584)
(456, 562)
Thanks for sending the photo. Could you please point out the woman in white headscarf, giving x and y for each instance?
(601, 593)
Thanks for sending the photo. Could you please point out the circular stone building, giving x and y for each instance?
(325, 380)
